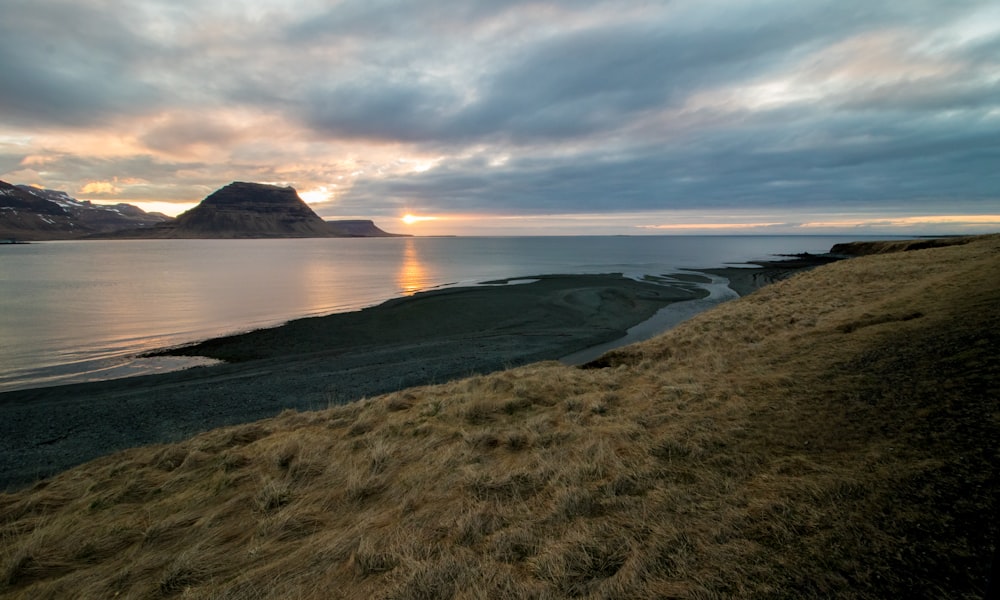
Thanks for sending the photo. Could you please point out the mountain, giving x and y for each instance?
(28, 213)
(254, 210)
(359, 228)
(238, 210)
(251, 210)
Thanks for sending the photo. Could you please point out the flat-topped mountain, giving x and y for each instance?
(29, 213)
(243, 209)
(359, 228)
(255, 210)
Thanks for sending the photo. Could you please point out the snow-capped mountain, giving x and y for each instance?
(28, 213)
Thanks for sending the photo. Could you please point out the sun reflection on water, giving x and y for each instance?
(412, 275)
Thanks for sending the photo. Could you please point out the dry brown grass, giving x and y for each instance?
(891, 246)
(833, 435)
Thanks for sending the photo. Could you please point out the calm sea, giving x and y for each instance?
(77, 311)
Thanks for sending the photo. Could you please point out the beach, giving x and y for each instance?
(314, 363)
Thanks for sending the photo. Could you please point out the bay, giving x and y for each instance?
(73, 311)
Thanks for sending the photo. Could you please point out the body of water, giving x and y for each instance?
(75, 311)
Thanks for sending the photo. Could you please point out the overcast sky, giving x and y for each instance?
(694, 116)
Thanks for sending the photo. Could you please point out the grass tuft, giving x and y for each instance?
(272, 496)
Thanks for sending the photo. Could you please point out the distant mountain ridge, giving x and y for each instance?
(30, 214)
(237, 210)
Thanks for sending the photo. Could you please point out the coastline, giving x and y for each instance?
(810, 431)
(759, 273)
(313, 363)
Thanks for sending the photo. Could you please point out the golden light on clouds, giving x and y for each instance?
(418, 166)
(909, 221)
(100, 187)
(813, 223)
(410, 219)
(877, 119)
(171, 209)
(37, 160)
(714, 226)
(107, 187)
(317, 195)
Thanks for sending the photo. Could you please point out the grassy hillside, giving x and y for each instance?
(832, 435)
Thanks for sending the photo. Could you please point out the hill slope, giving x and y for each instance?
(832, 435)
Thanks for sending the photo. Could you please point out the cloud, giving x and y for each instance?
(71, 64)
(185, 133)
(520, 108)
(406, 111)
(100, 188)
(554, 84)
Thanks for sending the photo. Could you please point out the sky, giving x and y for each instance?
(519, 117)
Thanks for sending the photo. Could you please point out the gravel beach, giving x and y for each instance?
(311, 363)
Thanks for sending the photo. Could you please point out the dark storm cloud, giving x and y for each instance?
(908, 140)
(561, 86)
(879, 142)
(727, 170)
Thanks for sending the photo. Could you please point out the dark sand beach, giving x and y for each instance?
(312, 363)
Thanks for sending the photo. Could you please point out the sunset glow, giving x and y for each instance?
(965, 220)
(711, 226)
(171, 209)
(857, 125)
(100, 187)
(317, 195)
(411, 219)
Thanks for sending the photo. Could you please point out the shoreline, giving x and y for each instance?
(719, 290)
(315, 362)
(312, 363)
